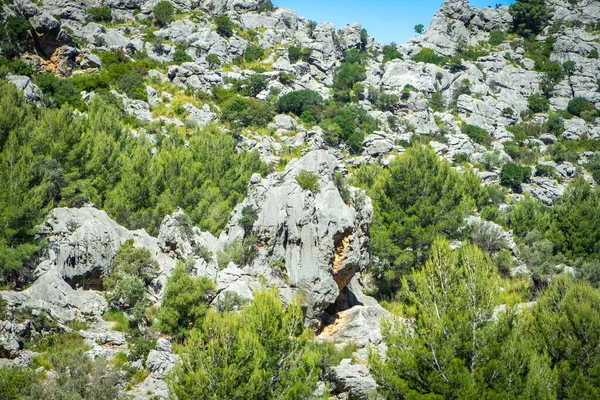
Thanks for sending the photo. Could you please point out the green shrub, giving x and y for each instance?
(308, 181)
(477, 134)
(512, 175)
(497, 36)
(185, 302)
(340, 184)
(100, 14)
(390, 52)
(538, 103)
(578, 105)
(180, 55)
(555, 124)
(163, 12)
(427, 55)
(545, 170)
(419, 29)
(349, 124)
(299, 101)
(247, 112)
(16, 383)
(224, 26)
(530, 17)
(294, 54)
(61, 91)
(437, 102)
(249, 217)
(121, 322)
(254, 53)
(593, 54)
(269, 355)
(213, 60)
(132, 270)
(347, 74)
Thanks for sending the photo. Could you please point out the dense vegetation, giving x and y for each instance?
(461, 346)
(52, 157)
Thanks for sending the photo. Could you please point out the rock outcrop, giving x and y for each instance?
(309, 242)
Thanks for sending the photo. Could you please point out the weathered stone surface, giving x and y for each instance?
(31, 92)
(355, 380)
(321, 241)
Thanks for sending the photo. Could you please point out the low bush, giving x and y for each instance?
(477, 134)
(100, 14)
(308, 181)
(497, 36)
(538, 103)
(427, 55)
(163, 12)
(299, 101)
(224, 26)
(579, 105)
(512, 175)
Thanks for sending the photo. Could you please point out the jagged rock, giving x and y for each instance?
(377, 144)
(161, 360)
(544, 189)
(51, 293)
(201, 117)
(180, 241)
(11, 336)
(284, 122)
(458, 22)
(31, 92)
(321, 241)
(355, 380)
(548, 138)
(103, 336)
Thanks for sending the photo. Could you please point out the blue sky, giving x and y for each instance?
(386, 20)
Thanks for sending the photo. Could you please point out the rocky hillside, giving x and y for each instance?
(170, 162)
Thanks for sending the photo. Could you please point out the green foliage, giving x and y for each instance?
(16, 383)
(268, 356)
(247, 111)
(180, 55)
(51, 156)
(294, 54)
(419, 28)
(577, 234)
(530, 17)
(132, 270)
(100, 14)
(427, 55)
(545, 170)
(254, 53)
(340, 183)
(437, 102)
(224, 26)
(300, 101)
(185, 302)
(512, 175)
(61, 91)
(593, 166)
(163, 12)
(477, 134)
(266, 6)
(390, 52)
(346, 75)
(497, 36)
(454, 348)
(538, 103)
(579, 105)
(13, 35)
(555, 124)
(249, 217)
(121, 322)
(213, 60)
(349, 124)
(416, 199)
(77, 376)
(566, 324)
(308, 181)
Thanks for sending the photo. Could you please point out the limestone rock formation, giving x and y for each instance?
(309, 242)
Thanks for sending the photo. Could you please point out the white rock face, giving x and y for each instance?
(310, 243)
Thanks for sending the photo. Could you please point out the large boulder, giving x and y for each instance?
(309, 242)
